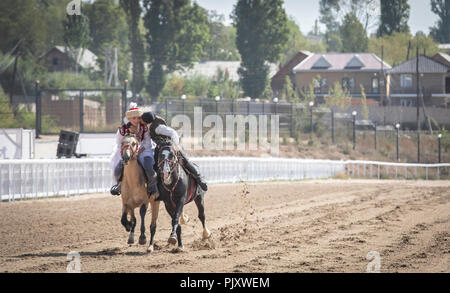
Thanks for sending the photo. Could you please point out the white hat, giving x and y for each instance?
(133, 111)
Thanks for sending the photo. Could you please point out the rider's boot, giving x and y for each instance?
(195, 172)
(118, 174)
(151, 176)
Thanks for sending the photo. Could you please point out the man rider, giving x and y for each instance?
(159, 132)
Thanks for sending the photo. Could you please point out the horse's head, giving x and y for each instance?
(167, 163)
(130, 147)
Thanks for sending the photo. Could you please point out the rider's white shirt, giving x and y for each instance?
(146, 143)
(170, 132)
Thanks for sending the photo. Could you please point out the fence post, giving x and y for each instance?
(38, 109)
(81, 100)
(439, 147)
(124, 99)
(332, 126)
(376, 135)
(397, 126)
(292, 119)
(354, 129)
(167, 110)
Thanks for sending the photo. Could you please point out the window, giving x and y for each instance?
(55, 61)
(348, 83)
(406, 80)
(406, 103)
(316, 86)
(375, 86)
(324, 85)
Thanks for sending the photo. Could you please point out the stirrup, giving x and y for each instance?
(116, 189)
(202, 184)
(151, 189)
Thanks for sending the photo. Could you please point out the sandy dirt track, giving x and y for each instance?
(308, 226)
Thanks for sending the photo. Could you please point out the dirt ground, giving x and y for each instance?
(307, 226)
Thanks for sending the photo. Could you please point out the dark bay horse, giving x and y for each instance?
(176, 189)
(134, 193)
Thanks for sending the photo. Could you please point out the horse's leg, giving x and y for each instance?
(175, 222)
(142, 212)
(201, 215)
(180, 244)
(155, 212)
(133, 225)
(124, 219)
(184, 219)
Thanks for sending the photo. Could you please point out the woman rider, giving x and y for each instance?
(159, 132)
(146, 148)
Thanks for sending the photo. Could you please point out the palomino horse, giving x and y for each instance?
(176, 189)
(134, 192)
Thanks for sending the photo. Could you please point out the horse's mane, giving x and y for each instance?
(166, 143)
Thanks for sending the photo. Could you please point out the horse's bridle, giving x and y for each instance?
(134, 149)
(172, 165)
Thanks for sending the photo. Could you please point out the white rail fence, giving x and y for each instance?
(385, 170)
(28, 179)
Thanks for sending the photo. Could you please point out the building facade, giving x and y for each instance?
(357, 74)
(430, 77)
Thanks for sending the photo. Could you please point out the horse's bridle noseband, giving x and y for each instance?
(172, 165)
(134, 150)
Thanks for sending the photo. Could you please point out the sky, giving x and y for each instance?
(305, 12)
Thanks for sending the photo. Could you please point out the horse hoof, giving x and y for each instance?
(150, 249)
(184, 219)
(172, 240)
(180, 248)
(142, 240)
(130, 241)
(206, 235)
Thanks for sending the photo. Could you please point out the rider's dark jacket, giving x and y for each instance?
(155, 121)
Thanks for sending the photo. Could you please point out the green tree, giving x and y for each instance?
(328, 10)
(394, 17)
(365, 109)
(20, 20)
(297, 42)
(108, 29)
(261, 35)
(338, 97)
(222, 44)
(396, 46)
(177, 33)
(353, 35)
(289, 93)
(107, 25)
(133, 10)
(441, 32)
(76, 35)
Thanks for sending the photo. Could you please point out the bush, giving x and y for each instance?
(6, 114)
(66, 80)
